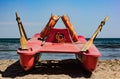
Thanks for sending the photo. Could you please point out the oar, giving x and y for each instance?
(23, 37)
(90, 42)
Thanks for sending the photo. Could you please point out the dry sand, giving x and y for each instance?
(65, 69)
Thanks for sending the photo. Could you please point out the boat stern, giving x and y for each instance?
(27, 59)
(89, 58)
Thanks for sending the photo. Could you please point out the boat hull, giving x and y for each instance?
(88, 62)
(29, 57)
(27, 61)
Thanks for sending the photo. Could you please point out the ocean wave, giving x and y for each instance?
(108, 45)
(7, 50)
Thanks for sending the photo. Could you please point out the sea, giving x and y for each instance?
(109, 48)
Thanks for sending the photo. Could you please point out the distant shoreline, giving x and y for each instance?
(86, 38)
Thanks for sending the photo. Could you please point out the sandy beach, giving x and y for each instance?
(62, 69)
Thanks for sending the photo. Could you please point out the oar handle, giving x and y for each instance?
(99, 28)
(21, 29)
(17, 15)
(106, 18)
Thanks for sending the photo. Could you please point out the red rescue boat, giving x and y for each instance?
(58, 40)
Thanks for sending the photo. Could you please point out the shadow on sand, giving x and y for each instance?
(70, 67)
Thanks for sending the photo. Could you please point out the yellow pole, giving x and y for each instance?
(51, 23)
(70, 27)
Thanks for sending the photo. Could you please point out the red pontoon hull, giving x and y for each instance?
(36, 46)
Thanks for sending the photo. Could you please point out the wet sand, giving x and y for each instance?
(62, 69)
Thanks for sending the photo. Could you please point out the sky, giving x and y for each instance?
(85, 15)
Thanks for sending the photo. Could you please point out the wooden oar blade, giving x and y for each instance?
(86, 46)
(23, 43)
